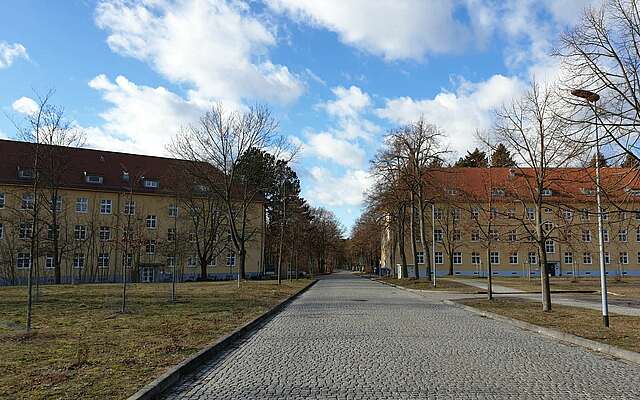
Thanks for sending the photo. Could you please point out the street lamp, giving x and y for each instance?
(592, 97)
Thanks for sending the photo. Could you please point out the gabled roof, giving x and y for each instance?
(508, 184)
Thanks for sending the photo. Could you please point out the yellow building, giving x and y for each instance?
(97, 211)
(489, 214)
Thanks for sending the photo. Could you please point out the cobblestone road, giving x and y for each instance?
(350, 338)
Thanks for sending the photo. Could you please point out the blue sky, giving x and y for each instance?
(336, 73)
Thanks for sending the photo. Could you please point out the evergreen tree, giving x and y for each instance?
(630, 162)
(475, 159)
(501, 157)
(603, 161)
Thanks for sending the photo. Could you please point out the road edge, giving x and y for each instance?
(174, 374)
(593, 345)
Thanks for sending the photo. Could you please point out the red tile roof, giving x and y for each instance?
(566, 184)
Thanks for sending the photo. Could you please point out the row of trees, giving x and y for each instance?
(544, 129)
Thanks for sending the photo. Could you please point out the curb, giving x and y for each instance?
(418, 291)
(599, 347)
(174, 374)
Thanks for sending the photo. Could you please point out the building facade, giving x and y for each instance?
(100, 213)
(478, 216)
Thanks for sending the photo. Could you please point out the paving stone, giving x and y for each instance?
(350, 338)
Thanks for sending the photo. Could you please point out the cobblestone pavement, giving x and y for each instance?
(351, 338)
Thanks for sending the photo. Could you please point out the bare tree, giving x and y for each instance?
(219, 146)
(532, 129)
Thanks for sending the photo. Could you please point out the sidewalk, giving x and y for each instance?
(499, 290)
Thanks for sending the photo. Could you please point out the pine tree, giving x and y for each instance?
(501, 157)
(475, 159)
(630, 162)
(603, 161)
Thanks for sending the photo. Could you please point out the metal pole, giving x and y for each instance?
(433, 242)
(603, 272)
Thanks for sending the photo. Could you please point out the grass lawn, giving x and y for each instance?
(424, 284)
(624, 331)
(627, 287)
(82, 347)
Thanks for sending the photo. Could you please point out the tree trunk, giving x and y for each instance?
(423, 241)
(243, 257)
(542, 260)
(403, 254)
(414, 250)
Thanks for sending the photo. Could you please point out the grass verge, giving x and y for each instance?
(624, 331)
(424, 284)
(82, 347)
(625, 288)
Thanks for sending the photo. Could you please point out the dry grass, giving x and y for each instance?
(82, 347)
(624, 331)
(627, 287)
(424, 284)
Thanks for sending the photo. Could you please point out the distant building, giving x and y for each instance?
(488, 214)
(106, 202)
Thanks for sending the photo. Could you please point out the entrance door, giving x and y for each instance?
(553, 268)
(147, 274)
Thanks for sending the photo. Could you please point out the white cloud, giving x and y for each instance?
(215, 47)
(142, 119)
(459, 114)
(331, 190)
(394, 29)
(348, 109)
(25, 105)
(326, 146)
(10, 52)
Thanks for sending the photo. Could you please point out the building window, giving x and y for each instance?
(494, 212)
(533, 257)
(420, 257)
(624, 257)
(513, 257)
(25, 230)
(475, 235)
(437, 214)
(2, 200)
(151, 183)
(105, 233)
(638, 255)
(171, 234)
(530, 214)
(193, 237)
(568, 257)
(191, 262)
(80, 232)
(82, 205)
(622, 235)
(78, 261)
(494, 257)
(56, 204)
(27, 201)
(103, 260)
(455, 214)
(127, 260)
(23, 261)
(95, 179)
(1, 231)
(607, 259)
(171, 261)
(547, 210)
(547, 226)
(567, 215)
(605, 215)
(637, 213)
(475, 258)
(586, 258)
(173, 210)
(475, 212)
(586, 235)
(493, 234)
(547, 192)
(497, 192)
(584, 214)
(150, 247)
(52, 231)
(549, 246)
(622, 215)
(130, 208)
(48, 262)
(457, 257)
(513, 236)
(105, 206)
(511, 213)
(638, 234)
(456, 235)
(605, 235)
(438, 257)
(437, 235)
(152, 221)
(231, 259)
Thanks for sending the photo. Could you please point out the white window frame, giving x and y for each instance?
(475, 258)
(23, 261)
(550, 246)
(171, 234)
(1, 231)
(494, 257)
(607, 258)
(623, 235)
(438, 235)
(420, 257)
(106, 206)
(103, 260)
(173, 210)
(78, 261)
(457, 257)
(586, 235)
(513, 258)
(150, 247)
(2, 200)
(532, 258)
(82, 229)
(104, 233)
(624, 258)
(438, 257)
(130, 207)
(231, 259)
(475, 235)
(27, 201)
(82, 205)
(587, 258)
(151, 221)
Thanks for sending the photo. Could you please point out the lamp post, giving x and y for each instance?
(592, 97)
